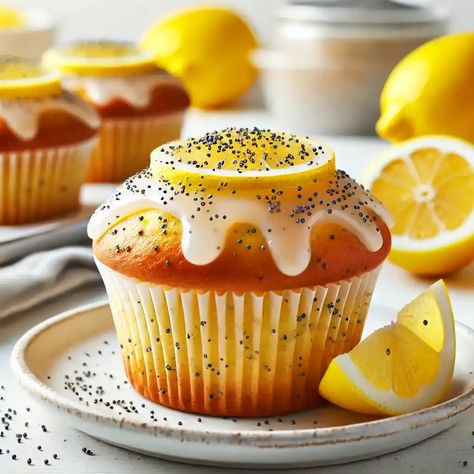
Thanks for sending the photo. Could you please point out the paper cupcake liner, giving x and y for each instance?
(40, 184)
(125, 145)
(234, 354)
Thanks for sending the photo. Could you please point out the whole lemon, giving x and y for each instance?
(208, 49)
(10, 18)
(431, 91)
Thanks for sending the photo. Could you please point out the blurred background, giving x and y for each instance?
(93, 18)
(329, 56)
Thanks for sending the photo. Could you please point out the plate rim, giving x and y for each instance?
(319, 436)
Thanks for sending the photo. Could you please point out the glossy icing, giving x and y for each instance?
(22, 115)
(284, 203)
(135, 90)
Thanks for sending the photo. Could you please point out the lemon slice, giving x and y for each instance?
(99, 58)
(245, 158)
(22, 78)
(427, 184)
(402, 367)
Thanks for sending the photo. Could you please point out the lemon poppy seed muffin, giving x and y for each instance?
(237, 266)
(46, 138)
(141, 106)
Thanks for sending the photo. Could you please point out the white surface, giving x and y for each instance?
(443, 454)
(41, 361)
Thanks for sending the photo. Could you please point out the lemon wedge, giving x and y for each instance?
(427, 184)
(431, 91)
(402, 367)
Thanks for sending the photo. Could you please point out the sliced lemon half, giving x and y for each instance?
(236, 159)
(400, 368)
(427, 184)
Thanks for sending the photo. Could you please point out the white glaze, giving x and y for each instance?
(135, 90)
(287, 231)
(22, 115)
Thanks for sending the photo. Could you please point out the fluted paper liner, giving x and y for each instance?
(40, 184)
(124, 145)
(234, 354)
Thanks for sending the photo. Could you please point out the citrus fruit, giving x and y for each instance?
(427, 184)
(399, 368)
(22, 78)
(250, 157)
(208, 49)
(431, 91)
(10, 18)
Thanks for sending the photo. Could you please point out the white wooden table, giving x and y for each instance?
(445, 454)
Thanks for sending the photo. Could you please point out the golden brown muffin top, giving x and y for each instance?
(36, 112)
(241, 209)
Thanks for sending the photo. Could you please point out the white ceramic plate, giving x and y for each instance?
(71, 364)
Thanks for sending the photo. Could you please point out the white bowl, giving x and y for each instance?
(329, 61)
(32, 39)
(307, 98)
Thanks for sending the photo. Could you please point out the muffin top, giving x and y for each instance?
(36, 112)
(241, 209)
(117, 78)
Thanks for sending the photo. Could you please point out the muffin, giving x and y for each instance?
(141, 106)
(46, 139)
(237, 266)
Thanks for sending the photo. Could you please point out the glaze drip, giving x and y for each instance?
(22, 115)
(135, 90)
(218, 183)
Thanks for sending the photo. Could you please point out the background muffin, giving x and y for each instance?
(141, 106)
(46, 138)
(237, 266)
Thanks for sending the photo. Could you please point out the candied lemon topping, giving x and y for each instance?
(402, 367)
(99, 58)
(22, 78)
(428, 186)
(281, 183)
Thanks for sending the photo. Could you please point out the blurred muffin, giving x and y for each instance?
(46, 138)
(141, 106)
(237, 266)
